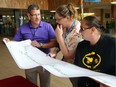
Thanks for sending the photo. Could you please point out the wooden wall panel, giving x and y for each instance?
(23, 4)
(53, 4)
(45, 4)
(103, 2)
(75, 2)
(113, 12)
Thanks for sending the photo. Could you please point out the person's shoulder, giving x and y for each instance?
(46, 26)
(24, 25)
(45, 23)
(108, 38)
(83, 43)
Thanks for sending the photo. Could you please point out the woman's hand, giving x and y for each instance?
(59, 30)
(53, 52)
(52, 55)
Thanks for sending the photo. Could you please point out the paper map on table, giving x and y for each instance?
(26, 56)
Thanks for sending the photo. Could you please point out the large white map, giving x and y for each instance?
(26, 56)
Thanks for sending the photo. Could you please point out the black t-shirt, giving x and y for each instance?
(100, 57)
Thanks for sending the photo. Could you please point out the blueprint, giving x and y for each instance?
(26, 56)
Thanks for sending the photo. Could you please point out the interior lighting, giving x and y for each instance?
(52, 11)
(113, 3)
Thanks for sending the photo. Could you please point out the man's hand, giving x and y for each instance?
(35, 44)
(6, 39)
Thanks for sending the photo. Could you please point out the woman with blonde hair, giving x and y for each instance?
(67, 31)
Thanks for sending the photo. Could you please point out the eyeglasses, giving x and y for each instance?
(83, 29)
(34, 15)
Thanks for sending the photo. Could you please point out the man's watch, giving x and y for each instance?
(41, 45)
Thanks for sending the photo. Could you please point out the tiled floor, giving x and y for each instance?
(9, 68)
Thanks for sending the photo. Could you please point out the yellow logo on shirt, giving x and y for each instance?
(91, 60)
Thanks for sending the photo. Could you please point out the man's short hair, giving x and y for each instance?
(32, 7)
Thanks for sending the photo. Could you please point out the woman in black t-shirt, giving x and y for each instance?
(96, 52)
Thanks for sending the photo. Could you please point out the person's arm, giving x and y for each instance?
(50, 44)
(7, 39)
(51, 39)
(66, 53)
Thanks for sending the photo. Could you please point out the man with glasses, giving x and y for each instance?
(96, 52)
(42, 36)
